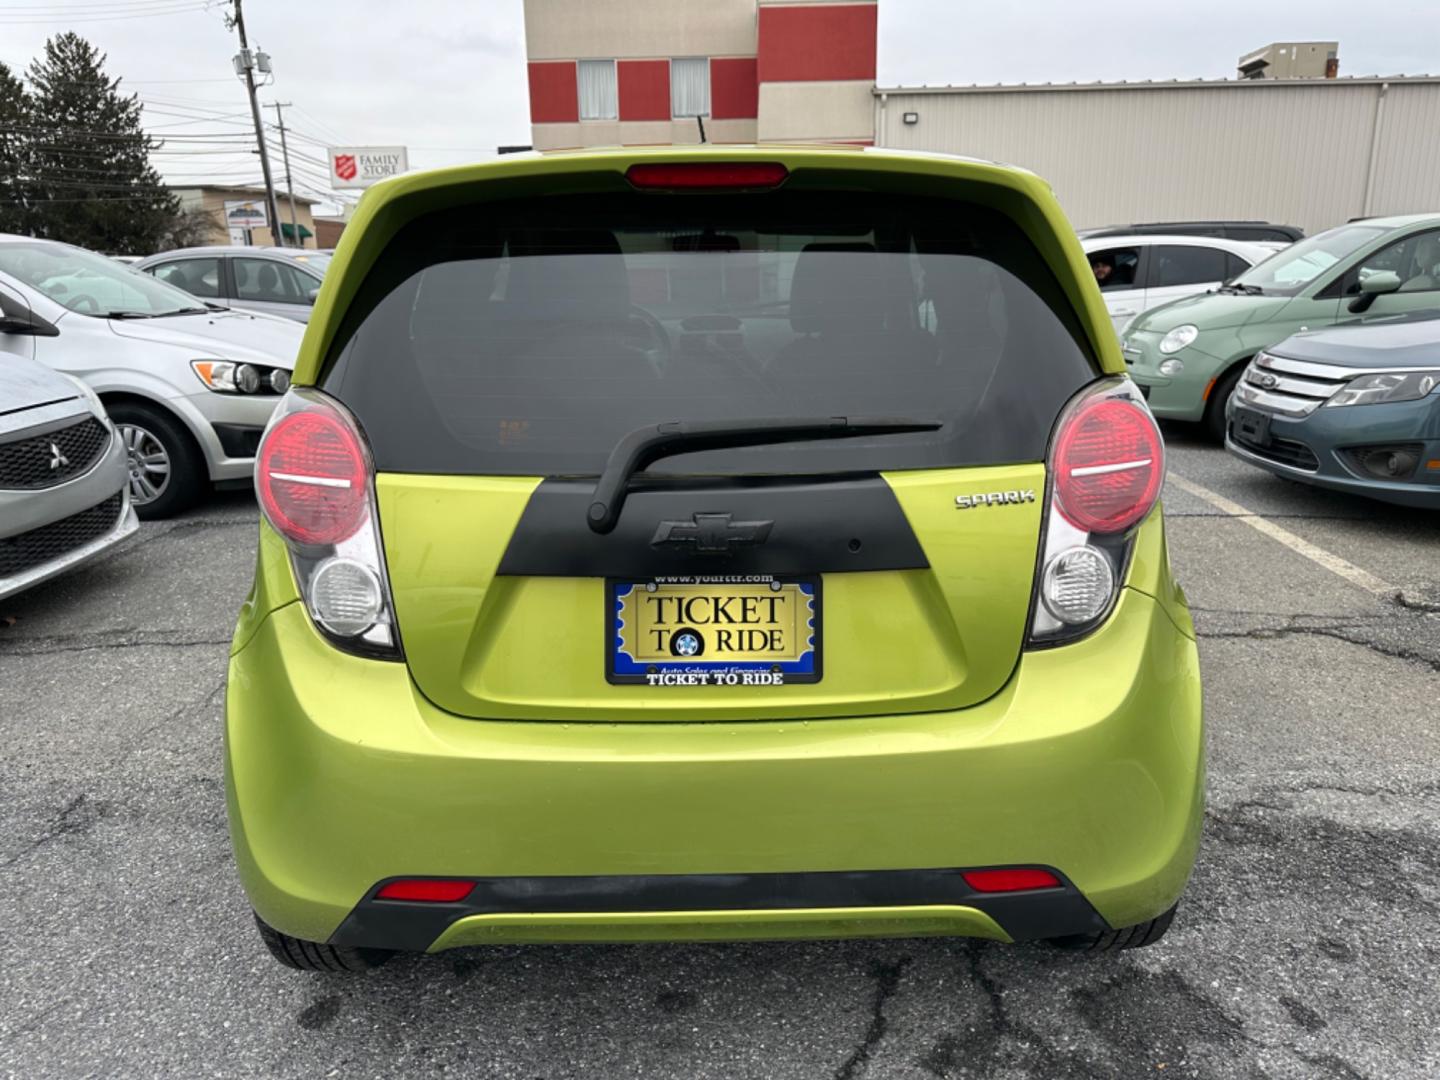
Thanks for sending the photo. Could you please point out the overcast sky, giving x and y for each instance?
(447, 77)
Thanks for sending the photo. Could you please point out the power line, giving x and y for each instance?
(158, 82)
(185, 7)
(81, 6)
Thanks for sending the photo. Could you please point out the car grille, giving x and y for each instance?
(43, 461)
(21, 553)
(1282, 451)
(1292, 387)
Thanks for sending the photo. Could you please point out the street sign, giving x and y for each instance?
(361, 166)
(249, 214)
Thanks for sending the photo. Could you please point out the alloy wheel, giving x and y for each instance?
(148, 461)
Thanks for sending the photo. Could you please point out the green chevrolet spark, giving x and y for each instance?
(1188, 356)
(711, 544)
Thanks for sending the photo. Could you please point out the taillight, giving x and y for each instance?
(1109, 462)
(310, 478)
(1106, 468)
(707, 175)
(313, 480)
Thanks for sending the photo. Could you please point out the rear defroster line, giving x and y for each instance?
(1035, 908)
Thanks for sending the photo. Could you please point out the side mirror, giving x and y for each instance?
(14, 324)
(1372, 286)
(312, 294)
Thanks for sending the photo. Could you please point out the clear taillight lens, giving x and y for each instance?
(1106, 468)
(314, 481)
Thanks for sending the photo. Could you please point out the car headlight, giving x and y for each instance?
(96, 405)
(1173, 366)
(228, 377)
(1381, 387)
(1178, 338)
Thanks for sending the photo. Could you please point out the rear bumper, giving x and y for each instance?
(340, 776)
(875, 903)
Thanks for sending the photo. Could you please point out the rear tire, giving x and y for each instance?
(1219, 398)
(316, 956)
(1129, 937)
(155, 441)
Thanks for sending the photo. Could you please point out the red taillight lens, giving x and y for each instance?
(1015, 880)
(430, 890)
(1109, 463)
(310, 478)
(695, 175)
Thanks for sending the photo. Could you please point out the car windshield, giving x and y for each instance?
(1289, 271)
(314, 260)
(92, 284)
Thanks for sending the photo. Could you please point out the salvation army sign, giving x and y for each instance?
(361, 166)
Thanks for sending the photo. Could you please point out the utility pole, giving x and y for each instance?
(245, 63)
(289, 185)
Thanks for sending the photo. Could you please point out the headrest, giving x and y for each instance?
(837, 289)
(571, 271)
(453, 296)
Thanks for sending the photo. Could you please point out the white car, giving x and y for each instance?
(190, 387)
(1136, 273)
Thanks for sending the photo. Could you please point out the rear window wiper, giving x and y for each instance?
(649, 444)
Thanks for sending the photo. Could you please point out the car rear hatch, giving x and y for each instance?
(902, 336)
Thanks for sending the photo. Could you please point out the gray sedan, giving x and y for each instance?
(277, 281)
(64, 496)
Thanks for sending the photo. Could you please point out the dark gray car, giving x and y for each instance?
(64, 496)
(1353, 408)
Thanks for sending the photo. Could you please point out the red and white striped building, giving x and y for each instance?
(637, 72)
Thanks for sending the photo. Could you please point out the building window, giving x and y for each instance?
(598, 99)
(690, 87)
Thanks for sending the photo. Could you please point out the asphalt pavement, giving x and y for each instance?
(1306, 946)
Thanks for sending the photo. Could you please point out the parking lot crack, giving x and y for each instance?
(1335, 632)
(105, 639)
(887, 981)
(75, 818)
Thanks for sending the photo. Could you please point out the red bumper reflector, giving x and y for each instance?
(1010, 880)
(428, 889)
(699, 175)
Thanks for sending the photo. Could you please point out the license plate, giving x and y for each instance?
(752, 630)
(1251, 426)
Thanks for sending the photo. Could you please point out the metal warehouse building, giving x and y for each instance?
(1307, 152)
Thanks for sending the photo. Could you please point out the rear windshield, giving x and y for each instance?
(527, 338)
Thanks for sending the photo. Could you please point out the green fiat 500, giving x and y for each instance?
(1188, 356)
(711, 544)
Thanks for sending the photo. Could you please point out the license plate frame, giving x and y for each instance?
(1251, 425)
(641, 667)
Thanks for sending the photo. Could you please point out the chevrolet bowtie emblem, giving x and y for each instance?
(714, 534)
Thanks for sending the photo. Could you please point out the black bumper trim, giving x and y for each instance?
(238, 440)
(414, 927)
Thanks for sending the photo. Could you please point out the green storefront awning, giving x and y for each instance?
(288, 231)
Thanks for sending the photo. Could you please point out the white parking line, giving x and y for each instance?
(1318, 555)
